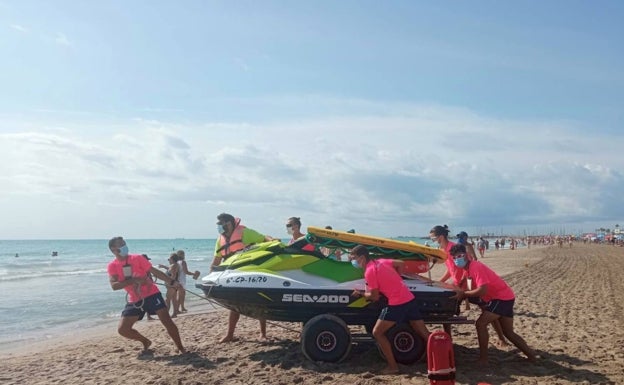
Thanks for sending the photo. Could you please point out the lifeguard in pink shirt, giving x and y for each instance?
(383, 277)
(133, 273)
(498, 302)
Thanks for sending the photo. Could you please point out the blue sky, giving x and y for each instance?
(148, 118)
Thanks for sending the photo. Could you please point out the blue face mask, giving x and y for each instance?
(462, 241)
(355, 264)
(123, 251)
(460, 262)
(220, 229)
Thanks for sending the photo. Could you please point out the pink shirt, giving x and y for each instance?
(140, 268)
(457, 274)
(381, 275)
(497, 288)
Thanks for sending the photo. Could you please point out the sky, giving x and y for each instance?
(149, 118)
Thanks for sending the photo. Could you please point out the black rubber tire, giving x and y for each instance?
(407, 346)
(326, 337)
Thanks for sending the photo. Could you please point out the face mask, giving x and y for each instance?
(289, 230)
(462, 241)
(220, 229)
(460, 262)
(355, 264)
(123, 251)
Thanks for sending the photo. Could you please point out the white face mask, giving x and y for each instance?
(220, 229)
(289, 230)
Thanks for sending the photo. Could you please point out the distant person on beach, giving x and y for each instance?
(172, 284)
(183, 272)
(234, 237)
(131, 273)
(383, 276)
(497, 302)
(481, 246)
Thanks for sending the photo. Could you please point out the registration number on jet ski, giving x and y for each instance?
(247, 279)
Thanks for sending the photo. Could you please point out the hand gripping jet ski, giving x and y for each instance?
(297, 283)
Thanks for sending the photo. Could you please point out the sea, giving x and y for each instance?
(51, 287)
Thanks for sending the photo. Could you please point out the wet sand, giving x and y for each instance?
(569, 308)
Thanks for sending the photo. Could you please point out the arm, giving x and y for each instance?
(118, 285)
(478, 292)
(185, 269)
(471, 251)
(399, 266)
(215, 262)
(446, 276)
(370, 295)
(160, 275)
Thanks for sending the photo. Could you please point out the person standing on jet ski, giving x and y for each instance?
(234, 237)
(383, 276)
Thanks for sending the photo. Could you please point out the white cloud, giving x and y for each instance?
(61, 39)
(19, 28)
(386, 175)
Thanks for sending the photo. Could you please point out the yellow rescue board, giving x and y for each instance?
(436, 255)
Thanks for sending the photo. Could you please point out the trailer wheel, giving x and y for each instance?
(326, 337)
(407, 346)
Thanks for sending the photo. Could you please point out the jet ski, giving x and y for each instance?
(297, 283)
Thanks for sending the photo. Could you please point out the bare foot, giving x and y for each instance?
(146, 344)
(227, 339)
(174, 315)
(389, 370)
(501, 343)
(183, 310)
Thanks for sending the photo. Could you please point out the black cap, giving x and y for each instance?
(462, 234)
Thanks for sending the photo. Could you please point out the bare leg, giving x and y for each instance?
(379, 332)
(172, 329)
(421, 329)
(483, 336)
(172, 296)
(263, 328)
(499, 332)
(125, 329)
(448, 329)
(232, 321)
(519, 342)
(181, 298)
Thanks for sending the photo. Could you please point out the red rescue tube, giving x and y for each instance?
(440, 359)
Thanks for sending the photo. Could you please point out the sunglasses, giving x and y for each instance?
(462, 255)
(289, 225)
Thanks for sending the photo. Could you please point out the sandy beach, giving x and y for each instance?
(569, 308)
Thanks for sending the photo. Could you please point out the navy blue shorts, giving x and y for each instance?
(401, 313)
(149, 305)
(500, 307)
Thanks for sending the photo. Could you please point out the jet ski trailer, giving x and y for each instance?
(297, 283)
